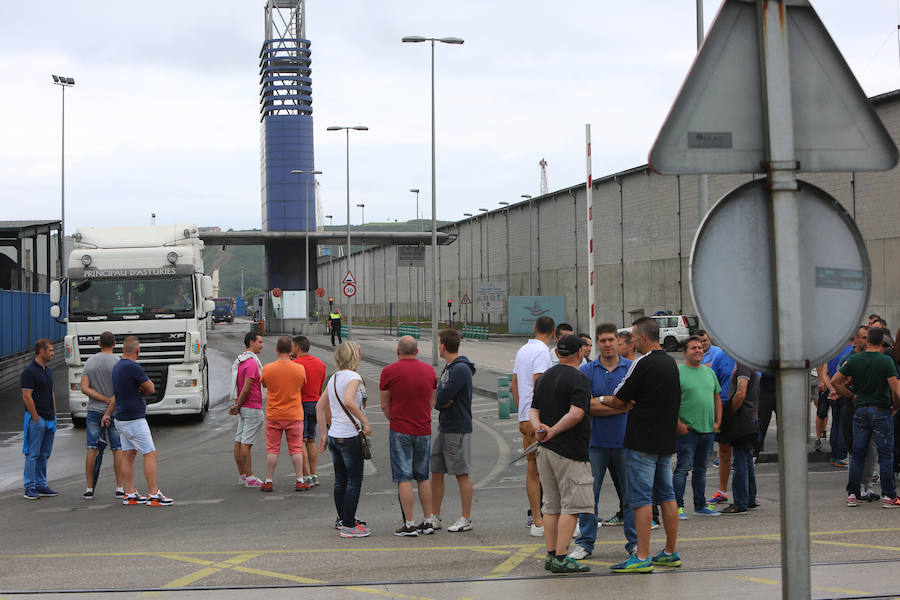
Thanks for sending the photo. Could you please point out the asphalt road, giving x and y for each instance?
(218, 534)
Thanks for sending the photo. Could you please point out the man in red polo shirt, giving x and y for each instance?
(407, 399)
(310, 392)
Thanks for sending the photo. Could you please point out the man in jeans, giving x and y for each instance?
(607, 434)
(407, 398)
(652, 392)
(741, 432)
(877, 393)
(698, 419)
(40, 419)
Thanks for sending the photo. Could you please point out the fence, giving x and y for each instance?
(25, 318)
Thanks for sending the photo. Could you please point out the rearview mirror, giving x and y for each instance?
(206, 288)
(54, 310)
(55, 292)
(208, 306)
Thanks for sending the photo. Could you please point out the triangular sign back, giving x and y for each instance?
(716, 124)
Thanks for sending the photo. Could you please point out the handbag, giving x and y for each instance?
(364, 441)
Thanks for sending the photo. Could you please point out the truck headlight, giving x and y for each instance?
(185, 383)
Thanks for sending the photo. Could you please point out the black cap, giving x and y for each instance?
(569, 345)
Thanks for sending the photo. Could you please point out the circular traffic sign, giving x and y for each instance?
(320, 292)
(276, 292)
(349, 290)
(731, 275)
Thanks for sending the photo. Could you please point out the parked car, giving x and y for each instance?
(674, 329)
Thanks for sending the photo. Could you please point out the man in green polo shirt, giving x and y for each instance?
(877, 397)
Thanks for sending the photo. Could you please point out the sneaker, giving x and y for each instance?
(253, 481)
(613, 520)
(654, 524)
(889, 502)
(134, 498)
(579, 553)
(681, 515)
(547, 562)
(529, 520)
(633, 565)
(753, 504)
(577, 532)
(461, 524)
(266, 487)
(355, 532)
(869, 496)
(719, 497)
(851, 500)
(567, 564)
(436, 522)
(88, 494)
(407, 531)
(664, 559)
(31, 495)
(537, 531)
(242, 480)
(706, 511)
(46, 492)
(337, 523)
(159, 499)
(875, 477)
(315, 479)
(120, 493)
(733, 509)
(301, 486)
(817, 445)
(425, 527)
(716, 463)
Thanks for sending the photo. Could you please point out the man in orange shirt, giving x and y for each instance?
(284, 412)
(312, 389)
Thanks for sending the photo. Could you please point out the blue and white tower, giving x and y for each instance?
(285, 104)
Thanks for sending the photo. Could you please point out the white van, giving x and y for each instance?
(673, 329)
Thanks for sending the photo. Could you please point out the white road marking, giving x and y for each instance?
(502, 455)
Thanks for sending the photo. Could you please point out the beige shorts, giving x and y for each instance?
(527, 431)
(568, 484)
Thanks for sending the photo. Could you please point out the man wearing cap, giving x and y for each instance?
(561, 402)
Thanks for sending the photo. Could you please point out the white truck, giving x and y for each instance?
(147, 282)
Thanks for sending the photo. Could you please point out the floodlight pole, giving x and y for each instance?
(63, 83)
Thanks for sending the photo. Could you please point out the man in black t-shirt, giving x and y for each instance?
(558, 413)
(652, 392)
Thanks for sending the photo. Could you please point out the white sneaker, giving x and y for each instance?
(436, 522)
(537, 531)
(577, 532)
(579, 553)
(461, 524)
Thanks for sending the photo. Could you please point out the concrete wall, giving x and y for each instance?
(644, 226)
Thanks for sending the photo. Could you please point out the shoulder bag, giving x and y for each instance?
(364, 441)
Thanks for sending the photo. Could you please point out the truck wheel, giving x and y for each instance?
(204, 408)
(79, 422)
(671, 344)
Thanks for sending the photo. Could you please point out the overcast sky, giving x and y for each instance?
(164, 115)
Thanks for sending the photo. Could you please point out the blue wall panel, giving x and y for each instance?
(25, 318)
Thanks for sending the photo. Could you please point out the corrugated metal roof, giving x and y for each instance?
(17, 225)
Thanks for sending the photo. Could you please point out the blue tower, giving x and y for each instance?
(286, 130)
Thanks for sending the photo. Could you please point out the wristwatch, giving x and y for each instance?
(602, 398)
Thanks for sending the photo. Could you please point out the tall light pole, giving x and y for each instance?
(530, 241)
(347, 129)
(63, 83)
(330, 254)
(306, 227)
(434, 256)
(362, 278)
(471, 257)
(505, 206)
(416, 192)
(418, 228)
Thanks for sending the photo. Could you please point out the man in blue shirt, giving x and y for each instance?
(40, 420)
(607, 435)
(722, 365)
(839, 406)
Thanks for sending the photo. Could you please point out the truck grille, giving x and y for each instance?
(156, 348)
(159, 375)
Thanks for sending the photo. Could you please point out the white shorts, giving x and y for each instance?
(135, 435)
(250, 421)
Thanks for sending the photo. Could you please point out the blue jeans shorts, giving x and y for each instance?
(309, 421)
(410, 456)
(94, 431)
(649, 478)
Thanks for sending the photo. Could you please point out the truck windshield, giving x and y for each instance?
(142, 298)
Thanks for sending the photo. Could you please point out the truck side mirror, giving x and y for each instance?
(208, 306)
(206, 289)
(55, 292)
(55, 312)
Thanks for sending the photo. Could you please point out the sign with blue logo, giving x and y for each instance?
(525, 310)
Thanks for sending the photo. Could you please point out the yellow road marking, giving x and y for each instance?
(513, 561)
(189, 559)
(190, 578)
(840, 591)
(757, 580)
(855, 545)
(298, 579)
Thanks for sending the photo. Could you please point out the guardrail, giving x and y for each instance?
(475, 332)
(413, 330)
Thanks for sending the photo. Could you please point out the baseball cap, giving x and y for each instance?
(569, 345)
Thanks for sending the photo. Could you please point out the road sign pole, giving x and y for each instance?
(793, 369)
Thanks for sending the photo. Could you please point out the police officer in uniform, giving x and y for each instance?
(335, 319)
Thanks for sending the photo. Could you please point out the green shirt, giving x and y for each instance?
(698, 406)
(870, 372)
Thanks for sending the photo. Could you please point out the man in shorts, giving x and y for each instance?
(309, 393)
(131, 384)
(407, 398)
(247, 394)
(451, 450)
(96, 384)
(284, 412)
(652, 393)
(559, 415)
(532, 360)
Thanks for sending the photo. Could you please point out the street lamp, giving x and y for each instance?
(416, 192)
(434, 272)
(363, 207)
(505, 206)
(306, 227)
(63, 83)
(330, 253)
(347, 129)
(530, 241)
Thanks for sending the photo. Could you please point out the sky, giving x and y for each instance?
(164, 115)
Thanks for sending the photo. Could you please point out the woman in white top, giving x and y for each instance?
(342, 436)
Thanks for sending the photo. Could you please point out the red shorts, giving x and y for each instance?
(293, 431)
